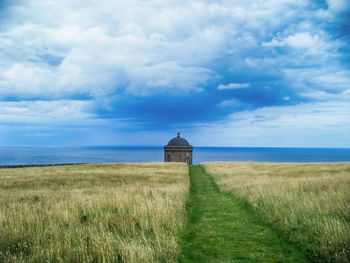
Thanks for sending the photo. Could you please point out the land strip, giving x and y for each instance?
(37, 165)
(220, 228)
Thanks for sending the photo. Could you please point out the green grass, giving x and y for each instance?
(308, 204)
(93, 213)
(220, 228)
(136, 212)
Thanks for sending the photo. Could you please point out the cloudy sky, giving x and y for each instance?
(133, 72)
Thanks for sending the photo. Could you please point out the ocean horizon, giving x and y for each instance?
(17, 156)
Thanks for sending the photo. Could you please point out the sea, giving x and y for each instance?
(18, 156)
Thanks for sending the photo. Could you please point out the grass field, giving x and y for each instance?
(221, 229)
(307, 204)
(93, 213)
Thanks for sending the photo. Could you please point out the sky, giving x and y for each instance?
(272, 73)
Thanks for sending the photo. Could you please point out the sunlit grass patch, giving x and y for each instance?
(92, 213)
(309, 204)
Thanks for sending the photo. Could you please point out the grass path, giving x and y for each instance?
(221, 229)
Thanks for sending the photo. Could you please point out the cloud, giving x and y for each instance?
(338, 6)
(328, 79)
(38, 112)
(168, 77)
(297, 40)
(234, 86)
(161, 64)
(94, 52)
(92, 62)
(322, 124)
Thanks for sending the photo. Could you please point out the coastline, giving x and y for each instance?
(24, 157)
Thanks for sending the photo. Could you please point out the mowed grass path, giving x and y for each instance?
(221, 229)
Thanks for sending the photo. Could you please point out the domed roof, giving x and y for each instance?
(178, 141)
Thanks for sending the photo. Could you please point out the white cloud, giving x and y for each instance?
(322, 124)
(302, 40)
(167, 77)
(297, 40)
(70, 112)
(19, 80)
(96, 49)
(234, 104)
(234, 86)
(338, 6)
(320, 95)
(303, 116)
(326, 78)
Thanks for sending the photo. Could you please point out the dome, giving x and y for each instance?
(178, 141)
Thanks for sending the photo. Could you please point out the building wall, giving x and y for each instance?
(178, 154)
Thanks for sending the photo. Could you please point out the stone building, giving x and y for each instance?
(178, 150)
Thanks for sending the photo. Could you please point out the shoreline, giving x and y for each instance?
(37, 165)
(39, 156)
(235, 161)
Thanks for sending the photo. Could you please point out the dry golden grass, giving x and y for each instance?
(308, 204)
(93, 213)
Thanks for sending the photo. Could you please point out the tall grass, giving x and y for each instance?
(308, 204)
(92, 213)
